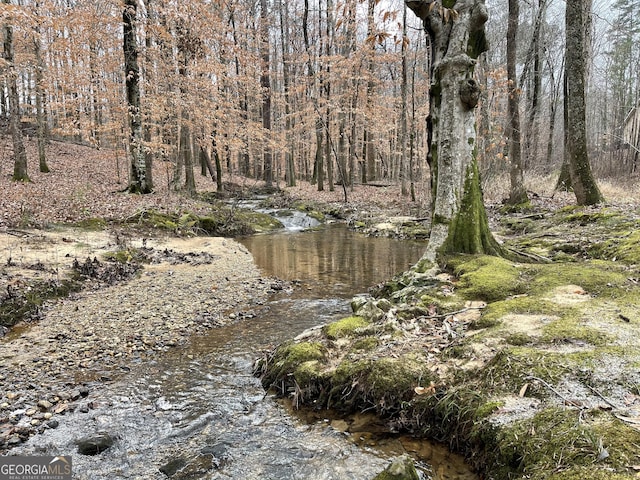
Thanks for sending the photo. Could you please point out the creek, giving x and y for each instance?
(198, 412)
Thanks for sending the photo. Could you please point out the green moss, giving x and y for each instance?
(516, 208)
(523, 305)
(280, 367)
(512, 367)
(574, 330)
(586, 217)
(623, 247)
(443, 303)
(487, 278)
(486, 409)
(365, 344)
(120, 256)
(591, 473)
(92, 224)
(569, 443)
(469, 230)
(347, 327)
(382, 383)
(308, 372)
(222, 221)
(518, 339)
(401, 468)
(596, 277)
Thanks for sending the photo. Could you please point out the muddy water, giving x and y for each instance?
(199, 413)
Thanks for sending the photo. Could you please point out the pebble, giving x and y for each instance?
(102, 330)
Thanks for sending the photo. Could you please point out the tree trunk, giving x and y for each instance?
(517, 192)
(370, 146)
(41, 118)
(265, 83)
(404, 164)
(138, 182)
(19, 153)
(459, 219)
(584, 185)
(290, 171)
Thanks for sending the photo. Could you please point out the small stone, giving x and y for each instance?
(84, 409)
(44, 404)
(94, 444)
(30, 412)
(52, 424)
(4, 406)
(173, 466)
(12, 395)
(84, 391)
(47, 415)
(14, 440)
(35, 422)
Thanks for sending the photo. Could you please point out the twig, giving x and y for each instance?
(449, 314)
(615, 407)
(566, 400)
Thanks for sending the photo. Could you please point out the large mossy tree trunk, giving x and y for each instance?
(582, 181)
(457, 37)
(139, 181)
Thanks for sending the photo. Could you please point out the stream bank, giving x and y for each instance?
(528, 369)
(100, 332)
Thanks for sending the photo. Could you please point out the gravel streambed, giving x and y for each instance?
(95, 336)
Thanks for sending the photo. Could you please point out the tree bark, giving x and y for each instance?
(265, 83)
(404, 164)
(19, 153)
(517, 192)
(584, 185)
(459, 219)
(138, 182)
(40, 109)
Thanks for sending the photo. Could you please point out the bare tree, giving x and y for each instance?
(138, 183)
(19, 153)
(517, 193)
(265, 83)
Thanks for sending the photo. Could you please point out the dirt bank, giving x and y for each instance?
(528, 368)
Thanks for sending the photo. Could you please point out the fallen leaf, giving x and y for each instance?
(523, 390)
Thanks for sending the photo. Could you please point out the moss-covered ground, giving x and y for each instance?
(530, 369)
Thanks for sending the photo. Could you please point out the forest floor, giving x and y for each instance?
(94, 333)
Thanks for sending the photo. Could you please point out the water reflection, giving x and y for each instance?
(335, 260)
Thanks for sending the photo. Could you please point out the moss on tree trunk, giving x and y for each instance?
(468, 231)
(456, 33)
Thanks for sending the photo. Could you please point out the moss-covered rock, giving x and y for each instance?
(280, 368)
(379, 383)
(347, 327)
(221, 221)
(401, 468)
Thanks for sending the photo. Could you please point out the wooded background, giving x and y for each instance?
(334, 92)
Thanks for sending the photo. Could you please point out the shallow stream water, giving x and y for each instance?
(197, 412)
